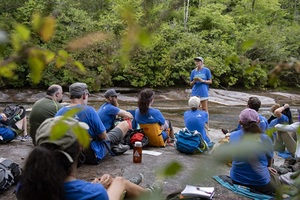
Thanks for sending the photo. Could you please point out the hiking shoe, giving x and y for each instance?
(119, 149)
(138, 179)
(156, 187)
(26, 138)
(288, 162)
(296, 167)
(224, 131)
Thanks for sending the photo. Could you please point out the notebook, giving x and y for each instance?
(203, 192)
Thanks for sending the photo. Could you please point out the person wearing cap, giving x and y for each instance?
(253, 103)
(51, 168)
(109, 110)
(195, 119)
(200, 78)
(253, 156)
(102, 142)
(45, 108)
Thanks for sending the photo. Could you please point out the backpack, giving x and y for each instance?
(189, 141)
(13, 113)
(135, 135)
(10, 172)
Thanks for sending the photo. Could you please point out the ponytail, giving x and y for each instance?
(145, 98)
(252, 127)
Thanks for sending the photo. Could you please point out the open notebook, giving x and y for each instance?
(203, 192)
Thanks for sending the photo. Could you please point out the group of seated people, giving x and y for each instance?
(254, 171)
(254, 168)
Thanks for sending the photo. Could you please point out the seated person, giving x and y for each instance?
(253, 169)
(195, 119)
(109, 110)
(253, 103)
(283, 139)
(59, 159)
(145, 114)
(102, 142)
(8, 132)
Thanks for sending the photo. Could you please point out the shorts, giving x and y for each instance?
(115, 136)
(203, 98)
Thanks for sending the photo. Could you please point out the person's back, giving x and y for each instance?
(45, 108)
(195, 119)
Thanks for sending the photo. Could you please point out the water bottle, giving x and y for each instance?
(137, 152)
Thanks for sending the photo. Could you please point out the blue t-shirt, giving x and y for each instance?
(89, 115)
(263, 124)
(253, 172)
(282, 120)
(6, 133)
(79, 189)
(151, 117)
(195, 120)
(200, 89)
(107, 113)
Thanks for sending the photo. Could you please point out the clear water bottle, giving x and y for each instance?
(137, 152)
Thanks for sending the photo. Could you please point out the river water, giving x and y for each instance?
(224, 106)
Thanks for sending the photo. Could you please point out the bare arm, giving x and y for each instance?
(103, 135)
(278, 111)
(125, 114)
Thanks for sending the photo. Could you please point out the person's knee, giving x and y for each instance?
(124, 126)
(120, 181)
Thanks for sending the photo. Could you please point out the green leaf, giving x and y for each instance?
(63, 54)
(58, 130)
(170, 169)
(250, 70)
(48, 56)
(36, 22)
(79, 65)
(248, 44)
(82, 135)
(16, 42)
(71, 113)
(7, 70)
(23, 32)
(36, 65)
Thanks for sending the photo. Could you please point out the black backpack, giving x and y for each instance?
(10, 172)
(13, 113)
(134, 135)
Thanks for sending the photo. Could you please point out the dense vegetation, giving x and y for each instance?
(152, 43)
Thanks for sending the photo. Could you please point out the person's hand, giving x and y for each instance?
(272, 170)
(286, 106)
(4, 118)
(197, 79)
(105, 180)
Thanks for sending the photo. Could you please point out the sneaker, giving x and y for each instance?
(26, 138)
(224, 131)
(138, 179)
(156, 187)
(119, 149)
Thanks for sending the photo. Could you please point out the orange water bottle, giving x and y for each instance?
(137, 152)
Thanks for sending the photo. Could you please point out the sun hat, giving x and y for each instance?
(78, 89)
(194, 102)
(44, 133)
(110, 92)
(199, 58)
(248, 115)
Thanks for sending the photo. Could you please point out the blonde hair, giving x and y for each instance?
(274, 107)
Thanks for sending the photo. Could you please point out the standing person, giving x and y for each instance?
(200, 78)
(195, 119)
(253, 169)
(145, 114)
(45, 108)
(102, 142)
(109, 110)
(55, 170)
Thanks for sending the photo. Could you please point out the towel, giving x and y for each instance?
(239, 189)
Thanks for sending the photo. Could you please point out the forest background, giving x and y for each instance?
(149, 43)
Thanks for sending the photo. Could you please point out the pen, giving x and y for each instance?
(203, 190)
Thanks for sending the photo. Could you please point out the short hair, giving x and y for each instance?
(254, 103)
(274, 107)
(53, 89)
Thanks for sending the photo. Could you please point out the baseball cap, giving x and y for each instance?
(194, 102)
(110, 92)
(248, 115)
(199, 58)
(63, 128)
(78, 89)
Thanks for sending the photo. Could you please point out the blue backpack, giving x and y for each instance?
(189, 141)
